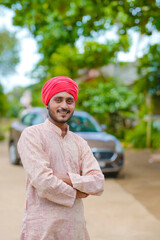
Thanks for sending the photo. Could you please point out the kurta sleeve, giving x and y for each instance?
(91, 181)
(37, 167)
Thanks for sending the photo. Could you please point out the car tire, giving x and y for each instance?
(111, 174)
(14, 159)
(114, 174)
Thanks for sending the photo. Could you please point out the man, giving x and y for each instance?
(60, 169)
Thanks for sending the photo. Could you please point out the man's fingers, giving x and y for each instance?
(81, 194)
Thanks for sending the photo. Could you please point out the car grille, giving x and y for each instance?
(103, 155)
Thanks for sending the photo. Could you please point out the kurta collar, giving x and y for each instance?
(54, 127)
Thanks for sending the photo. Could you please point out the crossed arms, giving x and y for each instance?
(67, 180)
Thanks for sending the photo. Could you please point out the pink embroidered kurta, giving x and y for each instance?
(52, 211)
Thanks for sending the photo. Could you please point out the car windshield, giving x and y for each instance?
(32, 119)
(83, 124)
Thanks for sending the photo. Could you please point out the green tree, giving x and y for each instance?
(68, 35)
(109, 103)
(148, 84)
(3, 109)
(9, 58)
(14, 105)
(60, 26)
(149, 71)
(9, 52)
(57, 25)
(3, 102)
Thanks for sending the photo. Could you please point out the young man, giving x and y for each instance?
(60, 169)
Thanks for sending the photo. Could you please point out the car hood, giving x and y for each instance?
(99, 140)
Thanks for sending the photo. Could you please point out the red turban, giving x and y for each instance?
(59, 84)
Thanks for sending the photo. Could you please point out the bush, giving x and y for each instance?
(2, 136)
(138, 136)
(5, 124)
(109, 103)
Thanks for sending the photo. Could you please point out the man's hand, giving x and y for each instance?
(81, 194)
(64, 178)
(67, 180)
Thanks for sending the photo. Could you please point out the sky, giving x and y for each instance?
(29, 55)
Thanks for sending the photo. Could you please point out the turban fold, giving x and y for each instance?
(59, 84)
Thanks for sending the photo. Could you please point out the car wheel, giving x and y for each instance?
(114, 174)
(14, 159)
(111, 174)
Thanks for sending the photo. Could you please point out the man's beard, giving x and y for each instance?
(53, 117)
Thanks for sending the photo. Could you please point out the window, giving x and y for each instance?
(32, 119)
(83, 124)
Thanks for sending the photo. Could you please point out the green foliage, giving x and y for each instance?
(36, 90)
(155, 143)
(67, 60)
(13, 101)
(8, 52)
(36, 98)
(2, 136)
(3, 110)
(109, 103)
(64, 61)
(9, 58)
(84, 16)
(3, 102)
(57, 25)
(149, 69)
(5, 124)
(142, 16)
(67, 33)
(97, 55)
(138, 136)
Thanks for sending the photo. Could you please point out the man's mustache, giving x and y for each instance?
(63, 110)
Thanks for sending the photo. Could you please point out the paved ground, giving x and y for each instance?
(129, 209)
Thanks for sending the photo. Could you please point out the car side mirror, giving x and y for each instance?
(104, 127)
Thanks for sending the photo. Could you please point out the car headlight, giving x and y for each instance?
(119, 148)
